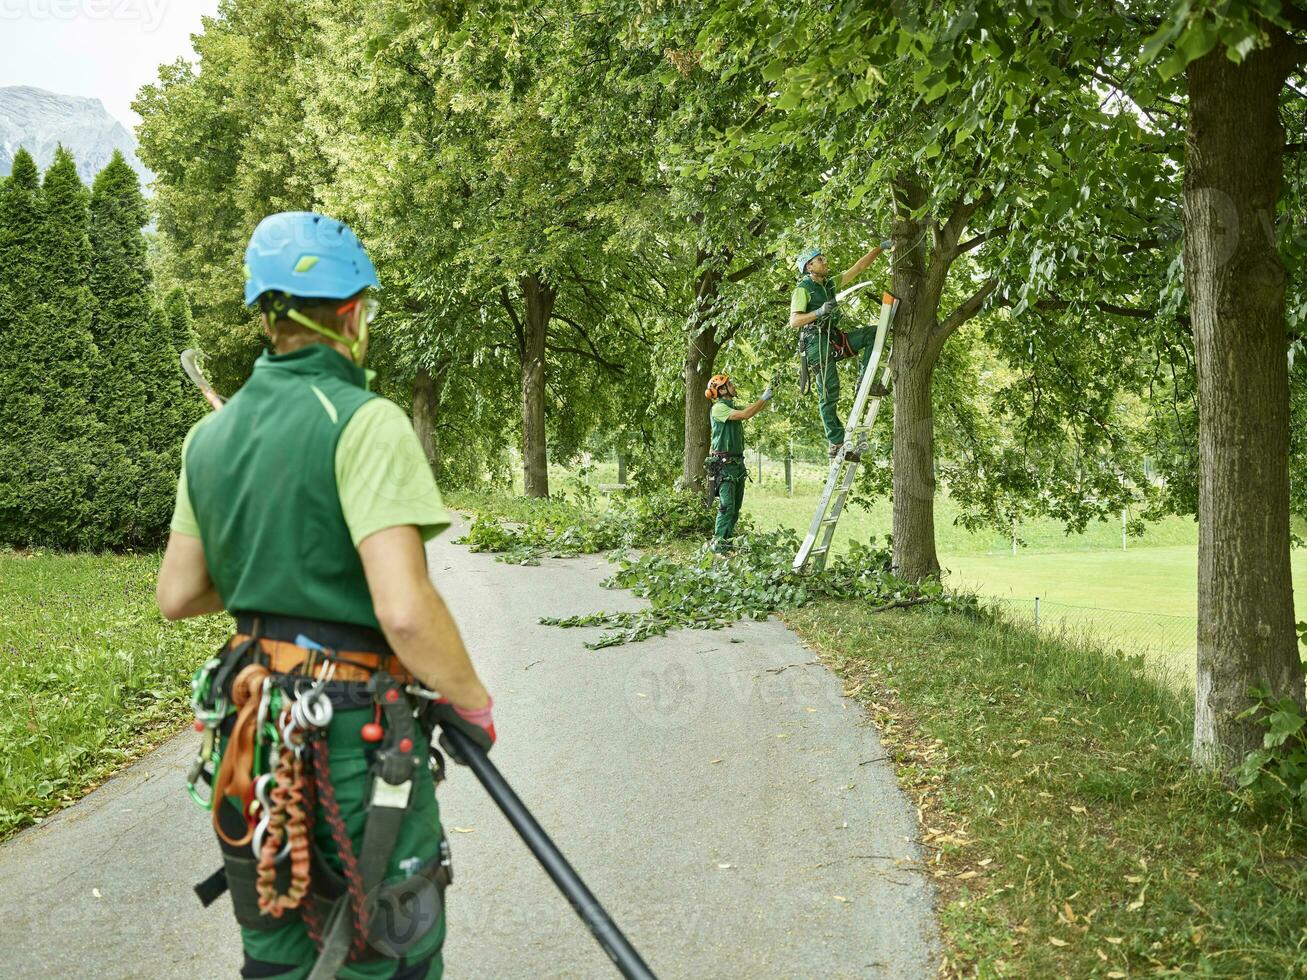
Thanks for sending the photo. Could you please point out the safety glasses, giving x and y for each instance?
(369, 304)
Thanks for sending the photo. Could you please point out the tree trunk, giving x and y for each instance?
(1236, 284)
(538, 297)
(700, 356)
(428, 390)
(701, 351)
(915, 351)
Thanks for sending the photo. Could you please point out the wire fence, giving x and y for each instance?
(1166, 638)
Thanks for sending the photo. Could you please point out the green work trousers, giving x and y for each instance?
(418, 842)
(730, 498)
(822, 366)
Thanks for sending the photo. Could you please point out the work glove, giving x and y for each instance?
(887, 244)
(827, 307)
(477, 725)
(767, 394)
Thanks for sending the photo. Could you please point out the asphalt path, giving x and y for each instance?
(729, 807)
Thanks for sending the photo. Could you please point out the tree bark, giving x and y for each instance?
(700, 356)
(538, 300)
(428, 390)
(916, 347)
(701, 351)
(1236, 284)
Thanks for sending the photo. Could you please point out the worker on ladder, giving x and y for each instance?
(815, 313)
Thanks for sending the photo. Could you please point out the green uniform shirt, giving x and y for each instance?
(809, 295)
(297, 469)
(727, 436)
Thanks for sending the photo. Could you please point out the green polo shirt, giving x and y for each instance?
(382, 477)
(727, 435)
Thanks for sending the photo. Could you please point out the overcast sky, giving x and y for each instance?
(102, 48)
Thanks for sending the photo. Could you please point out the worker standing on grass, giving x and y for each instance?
(725, 463)
(302, 509)
(815, 313)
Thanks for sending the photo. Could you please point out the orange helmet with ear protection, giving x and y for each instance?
(715, 386)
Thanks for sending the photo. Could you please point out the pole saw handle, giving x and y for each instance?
(596, 918)
(190, 359)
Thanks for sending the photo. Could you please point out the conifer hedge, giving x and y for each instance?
(92, 413)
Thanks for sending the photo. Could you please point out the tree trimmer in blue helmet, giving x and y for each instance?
(297, 262)
(805, 378)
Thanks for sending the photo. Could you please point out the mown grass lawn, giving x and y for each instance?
(92, 675)
(1062, 822)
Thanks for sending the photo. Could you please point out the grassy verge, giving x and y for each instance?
(1062, 822)
(92, 675)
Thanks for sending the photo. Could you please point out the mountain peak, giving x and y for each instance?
(41, 121)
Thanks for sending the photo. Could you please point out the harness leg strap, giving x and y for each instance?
(212, 888)
(392, 787)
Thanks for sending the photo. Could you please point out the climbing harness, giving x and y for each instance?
(276, 771)
(716, 465)
(843, 468)
(836, 346)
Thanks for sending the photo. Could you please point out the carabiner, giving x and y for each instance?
(203, 758)
(264, 795)
(201, 680)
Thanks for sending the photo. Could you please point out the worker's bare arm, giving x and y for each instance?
(414, 617)
(859, 267)
(744, 414)
(184, 588)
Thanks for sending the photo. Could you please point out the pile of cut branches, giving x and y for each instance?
(709, 591)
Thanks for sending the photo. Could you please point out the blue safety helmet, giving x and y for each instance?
(307, 255)
(806, 256)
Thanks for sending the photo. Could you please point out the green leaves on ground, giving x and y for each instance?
(709, 591)
(563, 530)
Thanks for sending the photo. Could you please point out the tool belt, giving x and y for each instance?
(273, 690)
(715, 465)
(357, 651)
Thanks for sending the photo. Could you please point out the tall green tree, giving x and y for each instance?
(976, 152)
(20, 228)
(1237, 59)
(50, 441)
(1222, 81)
(452, 151)
(226, 138)
(138, 394)
(181, 329)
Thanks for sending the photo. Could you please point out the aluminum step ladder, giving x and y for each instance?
(816, 546)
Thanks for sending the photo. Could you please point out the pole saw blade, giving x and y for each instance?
(849, 291)
(190, 364)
